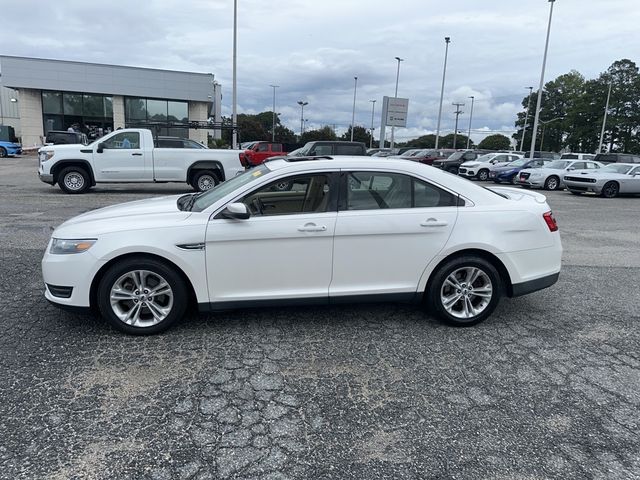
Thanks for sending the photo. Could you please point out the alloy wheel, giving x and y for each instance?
(466, 292)
(74, 181)
(141, 298)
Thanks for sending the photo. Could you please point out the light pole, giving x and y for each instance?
(544, 127)
(604, 120)
(234, 109)
(544, 64)
(457, 112)
(447, 40)
(470, 119)
(273, 118)
(373, 109)
(396, 95)
(526, 118)
(302, 104)
(353, 113)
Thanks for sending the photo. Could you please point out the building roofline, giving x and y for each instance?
(103, 64)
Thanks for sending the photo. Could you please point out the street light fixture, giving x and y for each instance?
(544, 127)
(396, 96)
(544, 64)
(604, 120)
(526, 118)
(447, 40)
(273, 118)
(470, 119)
(373, 108)
(302, 104)
(353, 113)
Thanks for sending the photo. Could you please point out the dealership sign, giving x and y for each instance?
(394, 111)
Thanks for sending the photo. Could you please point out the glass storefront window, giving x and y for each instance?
(178, 111)
(51, 102)
(93, 105)
(108, 106)
(135, 109)
(157, 110)
(72, 103)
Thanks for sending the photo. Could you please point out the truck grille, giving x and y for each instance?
(581, 179)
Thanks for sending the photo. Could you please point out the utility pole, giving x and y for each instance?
(273, 120)
(526, 118)
(396, 96)
(604, 120)
(457, 113)
(373, 108)
(234, 109)
(302, 104)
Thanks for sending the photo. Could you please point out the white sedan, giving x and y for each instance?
(609, 181)
(550, 175)
(346, 231)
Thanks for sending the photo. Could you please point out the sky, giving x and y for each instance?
(313, 50)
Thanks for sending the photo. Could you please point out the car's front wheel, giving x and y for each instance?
(142, 296)
(464, 291)
(74, 180)
(552, 183)
(483, 175)
(610, 190)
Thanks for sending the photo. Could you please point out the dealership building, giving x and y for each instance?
(38, 95)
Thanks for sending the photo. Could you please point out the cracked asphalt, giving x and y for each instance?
(548, 387)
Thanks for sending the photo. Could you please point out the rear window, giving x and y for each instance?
(349, 150)
(569, 156)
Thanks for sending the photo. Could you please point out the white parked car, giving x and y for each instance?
(550, 175)
(346, 231)
(479, 168)
(609, 181)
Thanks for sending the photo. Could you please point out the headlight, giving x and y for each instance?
(44, 156)
(64, 247)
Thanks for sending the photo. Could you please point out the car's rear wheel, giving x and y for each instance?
(610, 190)
(74, 180)
(142, 296)
(204, 180)
(464, 291)
(552, 183)
(3, 152)
(483, 175)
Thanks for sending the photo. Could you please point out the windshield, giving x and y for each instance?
(303, 151)
(517, 163)
(558, 164)
(623, 169)
(208, 198)
(456, 156)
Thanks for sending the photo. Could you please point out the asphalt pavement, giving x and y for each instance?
(548, 387)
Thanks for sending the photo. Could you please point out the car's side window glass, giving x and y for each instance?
(123, 141)
(635, 171)
(379, 190)
(263, 147)
(321, 150)
(579, 166)
(303, 194)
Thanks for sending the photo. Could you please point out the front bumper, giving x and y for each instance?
(583, 187)
(13, 150)
(46, 178)
(531, 182)
(468, 172)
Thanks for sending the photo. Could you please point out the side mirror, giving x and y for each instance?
(570, 168)
(236, 211)
(100, 148)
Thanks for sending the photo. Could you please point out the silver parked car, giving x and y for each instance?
(608, 181)
(550, 175)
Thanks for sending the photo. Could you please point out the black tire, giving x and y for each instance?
(74, 180)
(203, 180)
(157, 269)
(483, 175)
(3, 152)
(552, 183)
(610, 190)
(437, 287)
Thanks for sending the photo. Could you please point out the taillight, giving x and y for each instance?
(551, 222)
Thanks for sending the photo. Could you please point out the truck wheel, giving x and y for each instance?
(204, 180)
(74, 180)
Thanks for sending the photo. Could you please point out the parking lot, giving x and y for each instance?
(548, 387)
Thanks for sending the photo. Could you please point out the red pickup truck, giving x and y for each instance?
(258, 152)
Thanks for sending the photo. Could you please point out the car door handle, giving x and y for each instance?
(136, 154)
(312, 227)
(432, 222)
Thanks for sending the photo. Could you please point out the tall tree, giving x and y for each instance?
(324, 133)
(360, 134)
(495, 142)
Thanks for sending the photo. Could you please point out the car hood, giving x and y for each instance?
(471, 163)
(505, 168)
(138, 215)
(66, 147)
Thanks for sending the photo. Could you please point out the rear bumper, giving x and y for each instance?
(531, 286)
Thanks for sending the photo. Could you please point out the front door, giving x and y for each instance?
(124, 158)
(283, 251)
(389, 227)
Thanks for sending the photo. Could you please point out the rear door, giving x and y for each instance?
(389, 227)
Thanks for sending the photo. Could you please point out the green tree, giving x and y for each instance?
(360, 134)
(425, 141)
(324, 133)
(495, 142)
(447, 141)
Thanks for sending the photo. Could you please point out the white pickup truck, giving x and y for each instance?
(130, 156)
